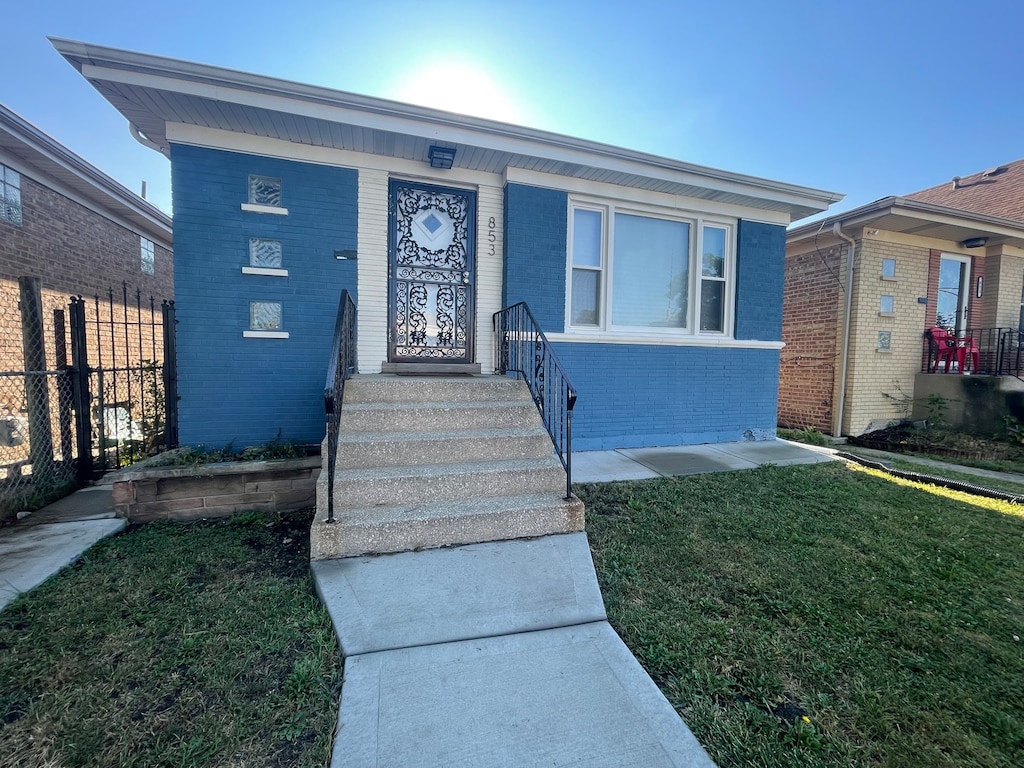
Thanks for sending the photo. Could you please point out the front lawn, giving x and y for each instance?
(175, 644)
(821, 616)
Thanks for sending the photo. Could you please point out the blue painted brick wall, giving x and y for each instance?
(760, 266)
(535, 257)
(245, 390)
(633, 396)
(649, 395)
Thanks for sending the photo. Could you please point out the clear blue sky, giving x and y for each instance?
(867, 97)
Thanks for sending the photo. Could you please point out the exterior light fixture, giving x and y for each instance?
(971, 242)
(441, 157)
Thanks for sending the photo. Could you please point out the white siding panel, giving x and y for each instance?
(488, 271)
(373, 270)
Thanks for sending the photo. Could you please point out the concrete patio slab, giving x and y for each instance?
(559, 697)
(780, 452)
(606, 466)
(31, 555)
(687, 460)
(443, 595)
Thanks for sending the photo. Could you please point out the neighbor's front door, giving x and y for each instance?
(431, 273)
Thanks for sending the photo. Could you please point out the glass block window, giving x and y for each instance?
(264, 190)
(884, 341)
(10, 195)
(147, 253)
(265, 253)
(888, 267)
(887, 305)
(265, 315)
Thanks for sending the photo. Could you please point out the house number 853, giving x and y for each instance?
(491, 236)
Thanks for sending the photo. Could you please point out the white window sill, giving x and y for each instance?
(271, 271)
(265, 334)
(598, 337)
(889, 279)
(887, 314)
(255, 208)
(884, 351)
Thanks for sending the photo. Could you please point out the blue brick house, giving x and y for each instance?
(659, 282)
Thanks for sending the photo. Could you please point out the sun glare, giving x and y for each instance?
(459, 86)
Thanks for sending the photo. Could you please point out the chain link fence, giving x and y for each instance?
(38, 453)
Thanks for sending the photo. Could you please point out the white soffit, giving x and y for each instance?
(151, 91)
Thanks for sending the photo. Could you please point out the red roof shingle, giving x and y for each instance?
(995, 192)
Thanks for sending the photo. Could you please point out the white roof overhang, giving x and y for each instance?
(912, 217)
(152, 92)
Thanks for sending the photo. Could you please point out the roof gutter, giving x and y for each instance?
(140, 137)
(837, 413)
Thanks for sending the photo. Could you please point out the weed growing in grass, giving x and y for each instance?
(819, 616)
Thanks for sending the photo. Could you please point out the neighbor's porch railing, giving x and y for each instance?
(522, 348)
(341, 368)
(985, 351)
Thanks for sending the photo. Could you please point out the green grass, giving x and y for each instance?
(821, 616)
(198, 644)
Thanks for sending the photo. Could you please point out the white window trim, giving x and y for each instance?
(257, 208)
(272, 271)
(265, 334)
(621, 334)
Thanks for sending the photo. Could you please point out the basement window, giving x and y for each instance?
(884, 341)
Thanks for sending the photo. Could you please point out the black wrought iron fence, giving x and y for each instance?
(522, 348)
(124, 358)
(339, 370)
(985, 351)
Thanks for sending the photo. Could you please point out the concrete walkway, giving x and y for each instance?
(501, 654)
(52, 538)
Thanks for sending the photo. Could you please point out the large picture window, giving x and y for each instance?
(635, 271)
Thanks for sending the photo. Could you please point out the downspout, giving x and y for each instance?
(837, 415)
(145, 141)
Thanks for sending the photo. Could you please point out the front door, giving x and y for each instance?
(431, 273)
(954, 293)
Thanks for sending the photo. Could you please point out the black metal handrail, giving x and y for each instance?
(522, 348)
(340, 369)
(1011, 352)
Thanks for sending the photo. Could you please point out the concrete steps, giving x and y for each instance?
(437, 461)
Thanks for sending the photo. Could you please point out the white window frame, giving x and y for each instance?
(697, 222)
(147, 248)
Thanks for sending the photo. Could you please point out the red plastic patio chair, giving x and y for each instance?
(946, 347)
(965, 347)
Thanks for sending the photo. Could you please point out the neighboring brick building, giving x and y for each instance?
(970, 232)
(658, 282)
(69, 224)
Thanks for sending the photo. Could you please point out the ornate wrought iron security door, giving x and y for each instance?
(431, 273)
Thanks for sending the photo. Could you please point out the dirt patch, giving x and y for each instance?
(940, 442)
